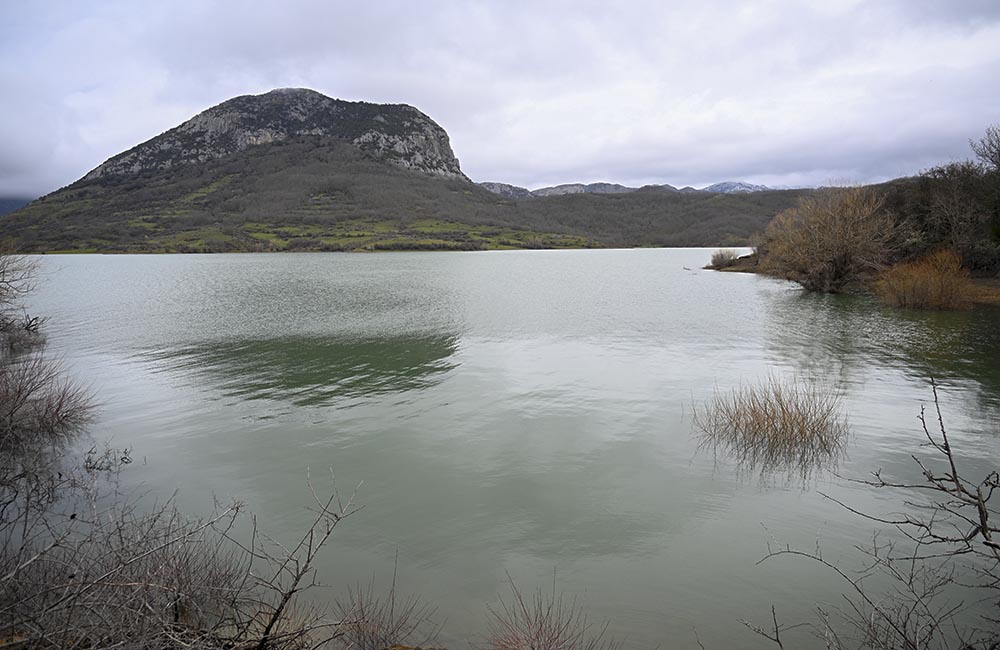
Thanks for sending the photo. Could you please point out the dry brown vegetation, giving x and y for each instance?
(778, 425)
(830, 239)
(723, 258)
(371, 621)
(841, 237)
(82, 566)
(543, 622)
(937, 281)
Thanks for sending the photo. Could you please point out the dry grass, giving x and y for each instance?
(986, 292)
(792, 425)
(937, 281)
(374, 622)
(544, 622)
(723, 258)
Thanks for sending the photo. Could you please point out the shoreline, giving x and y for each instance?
(986, 291)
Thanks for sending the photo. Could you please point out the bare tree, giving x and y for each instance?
(987, 148)
(831, 238)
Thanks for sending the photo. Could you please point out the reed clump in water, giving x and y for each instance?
(780, 424)
(724, 258)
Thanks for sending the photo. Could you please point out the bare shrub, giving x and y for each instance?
(17, 276)
(544, 622)
(37, 403)
(18, 330)
(777, 425)
(937, 281)
(724, 257)
(942, 568)
(830, 239)
(85, 569)
(370, 621)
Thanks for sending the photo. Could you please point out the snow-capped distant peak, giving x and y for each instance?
(732, 187)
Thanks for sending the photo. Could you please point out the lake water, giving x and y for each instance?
(523, 412)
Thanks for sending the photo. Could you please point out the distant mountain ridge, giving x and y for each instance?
(517, 192)
(9, 204)
(397, 133)
(506, 190)
(735, 187)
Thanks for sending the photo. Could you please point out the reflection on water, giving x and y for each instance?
(838, 338)
(313, 371)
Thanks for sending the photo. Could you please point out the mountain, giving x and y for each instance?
(397, 133)
(9, 204)
(735, 187)
(506, 190)
(515, 192)
(579, 188)
(296, 170)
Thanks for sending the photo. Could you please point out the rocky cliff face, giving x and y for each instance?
(396, 133)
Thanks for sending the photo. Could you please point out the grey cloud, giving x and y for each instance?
(533, 93)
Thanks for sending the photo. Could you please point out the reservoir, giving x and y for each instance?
(521, 413)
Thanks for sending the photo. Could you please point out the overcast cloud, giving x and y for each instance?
(532, 93)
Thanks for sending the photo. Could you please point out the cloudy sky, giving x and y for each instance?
(536, 93)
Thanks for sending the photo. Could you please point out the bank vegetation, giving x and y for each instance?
(917, 242)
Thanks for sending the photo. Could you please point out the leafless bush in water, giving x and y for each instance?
(38, 404)
(18, 330)
(943, 570)
(370, 621)
(17, 276)
(543, 622)
(779, 425)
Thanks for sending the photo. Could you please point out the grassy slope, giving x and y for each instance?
(322, 194)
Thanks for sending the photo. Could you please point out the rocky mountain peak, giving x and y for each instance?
(397, 133)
